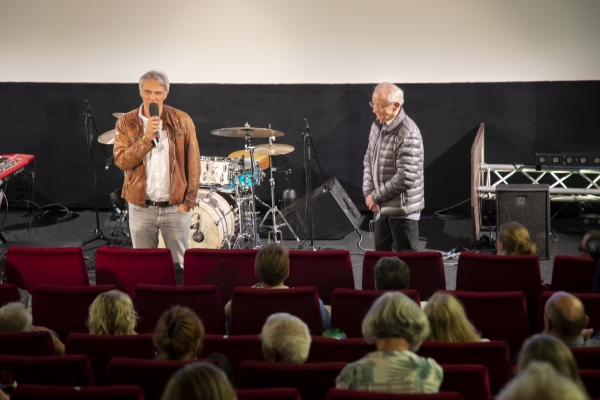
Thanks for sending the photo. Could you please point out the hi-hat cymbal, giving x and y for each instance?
(263, 160)
(275, 149)
(118, 115)
(107, 137)
(242, 132)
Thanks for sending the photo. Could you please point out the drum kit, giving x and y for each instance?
(225, 212)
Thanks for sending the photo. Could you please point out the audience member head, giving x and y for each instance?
(564, 316)
(285, 339)
(513, 239)
(391, 273)
(547, 348)
(448, 321)
(199, 381)
(394, 315)
(541, 381)
(112, 313)
(272, 264)
(14, 317)
(178, 334)
(590, 245)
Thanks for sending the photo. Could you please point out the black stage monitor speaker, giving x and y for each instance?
(334, 214)
(530, 206)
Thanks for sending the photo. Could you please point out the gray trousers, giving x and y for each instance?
(145, 222)
(401, 232)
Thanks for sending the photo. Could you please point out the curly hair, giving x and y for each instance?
(178, 334)
(112, 313)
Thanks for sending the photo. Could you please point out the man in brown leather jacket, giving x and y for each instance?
(161, 158)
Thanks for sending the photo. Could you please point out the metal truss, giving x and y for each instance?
(563, 186)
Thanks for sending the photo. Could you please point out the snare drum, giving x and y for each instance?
(215, 172)
(215, 215)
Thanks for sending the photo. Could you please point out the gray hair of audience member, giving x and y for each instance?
(394, 93)
(287, 336)
(14, 317)
(199, 381)
(549, 349)
(394, 315)
(158, 76)
(541, 381)
(561, 325)
(391, 273)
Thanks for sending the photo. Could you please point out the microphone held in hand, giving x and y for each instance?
(154, 113)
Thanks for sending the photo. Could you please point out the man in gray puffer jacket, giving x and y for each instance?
(393, 177)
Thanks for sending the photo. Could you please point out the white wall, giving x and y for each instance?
(300, 41)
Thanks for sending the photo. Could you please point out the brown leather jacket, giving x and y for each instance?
(184, 156)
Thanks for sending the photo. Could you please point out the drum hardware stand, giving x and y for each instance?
(250, 149)
(91, 124)
(274, 210)
(307, 158)
(119, 228)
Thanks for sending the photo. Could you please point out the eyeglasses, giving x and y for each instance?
(378, 106)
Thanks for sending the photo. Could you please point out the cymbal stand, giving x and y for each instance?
(274, 210)
(250, 149)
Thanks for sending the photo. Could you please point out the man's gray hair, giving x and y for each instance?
(158, 76)
(541, 381)
(394, 93)
(394, 315)
(288, 336)
(14, 317)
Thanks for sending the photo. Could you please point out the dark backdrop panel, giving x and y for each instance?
(46, 119)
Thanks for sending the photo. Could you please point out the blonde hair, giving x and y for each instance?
(179, 333)
(448, 321)
(199, 381)
(547, 348)
(112, 313)
(515, 239)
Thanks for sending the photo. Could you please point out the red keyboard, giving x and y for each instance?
(13, 164)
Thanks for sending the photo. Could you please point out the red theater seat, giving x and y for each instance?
(471, 381)
(224, 268)
(9, 294)
(26, 344)
(497, 316)
(64, 309)
(491, 273)
(126, 268)
(326, 270)
(268, 394)
(573, 274)
(334, 350)
(74, 370)
(349, 307)
(250, 308)
(235, 348)
(426, 270)
(150, 375)
(100, 349)
(492, 355)
(586, 357)
(152, 300)
(311, 380)
(28, 267)
(37, 392)
(349, 394)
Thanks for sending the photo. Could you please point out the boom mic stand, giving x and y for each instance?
(89, 122)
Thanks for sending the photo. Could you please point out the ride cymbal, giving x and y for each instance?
(107, 137)
(275, 149)
(242, 132)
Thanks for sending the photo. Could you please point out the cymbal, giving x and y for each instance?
(262, 159)
(107, 137)
(246, 130)
(275, 149)
(118, 114)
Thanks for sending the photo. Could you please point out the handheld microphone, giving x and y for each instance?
(154, 113)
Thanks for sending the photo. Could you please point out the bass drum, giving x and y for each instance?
(214, 215)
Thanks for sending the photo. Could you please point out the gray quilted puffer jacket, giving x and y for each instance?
(400, 184)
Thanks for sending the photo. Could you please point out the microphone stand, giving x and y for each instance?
(307, 158)
(89, 122)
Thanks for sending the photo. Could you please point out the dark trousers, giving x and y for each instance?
(402, 233)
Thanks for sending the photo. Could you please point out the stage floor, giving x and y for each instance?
(435, 234)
